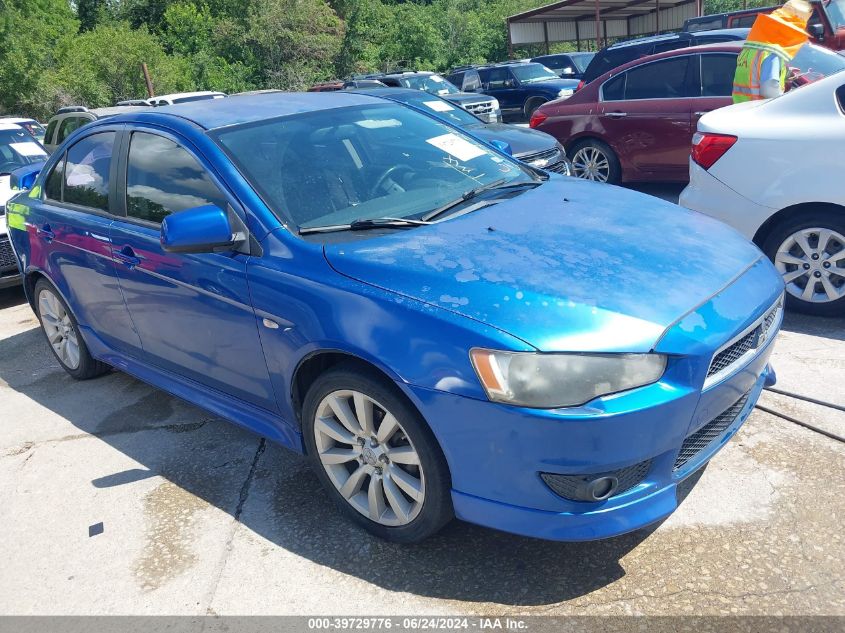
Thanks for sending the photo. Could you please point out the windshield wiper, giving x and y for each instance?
(472, 193)
(365, 224)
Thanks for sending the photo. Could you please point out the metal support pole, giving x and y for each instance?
(657, 16)
(149, 82)
(546, 35)
(510, 42)
(598, 37)
(577, 36)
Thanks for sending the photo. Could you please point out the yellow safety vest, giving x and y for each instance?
(749, 67)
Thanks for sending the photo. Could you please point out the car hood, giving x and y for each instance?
(568, 266)
(523, 140)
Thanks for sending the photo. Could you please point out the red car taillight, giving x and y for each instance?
(537, 118)
(707, 148)
(580, 85)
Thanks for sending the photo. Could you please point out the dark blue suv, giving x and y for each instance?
(523, 87)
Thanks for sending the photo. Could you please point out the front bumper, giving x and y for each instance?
(709, 195)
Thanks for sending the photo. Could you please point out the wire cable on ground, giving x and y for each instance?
(789, 418)
(822, 403)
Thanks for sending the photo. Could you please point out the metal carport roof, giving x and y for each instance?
(576, 20)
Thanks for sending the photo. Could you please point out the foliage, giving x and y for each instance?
(57, 52)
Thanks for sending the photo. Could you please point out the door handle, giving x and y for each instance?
(617, 115)
(45, 233)
(127, 257)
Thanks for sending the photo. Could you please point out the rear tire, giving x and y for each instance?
(62, 333)
(593, 160)
(809, 252)
(375, 455)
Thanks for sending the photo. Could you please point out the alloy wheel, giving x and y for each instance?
(590, 163)
(812, 262)
(369, 458)
(59, 328)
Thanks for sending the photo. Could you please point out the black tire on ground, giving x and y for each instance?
(436, 510)
(88, 367)
(532, 104)
(614, 176)
(823, 218)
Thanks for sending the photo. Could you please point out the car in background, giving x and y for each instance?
(18, 149)
(566, 65)
(70, 118)
(30, 125)
(827, 23)
(362, 84)
(327, 86)
(521, 87)
(531, 147)
(636, 122)
(185, 97)
(621, 53)
(744, 18)
(771, 170)
(442, 330)
(133, 102)
(482, 106)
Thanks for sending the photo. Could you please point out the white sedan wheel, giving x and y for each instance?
(812, 262)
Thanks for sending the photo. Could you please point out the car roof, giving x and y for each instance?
(236, 110)
(16, 119)
(179, 95)
(9, 126)
(717, 47)
(114, 110)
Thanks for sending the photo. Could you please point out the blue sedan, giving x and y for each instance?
(443, 330)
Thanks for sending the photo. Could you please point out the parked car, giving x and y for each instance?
(70, 118)
(827, 24)
(185, 97)
(566, 65)
(17, 149)
(744, 18)
(621, 53)
(32, 126)
(521, 88)
(327, 86)
(362, 84)
(133, 102)
(441, 329)
(482, 106)
(530, 146)
(769, 169)
(636, 122)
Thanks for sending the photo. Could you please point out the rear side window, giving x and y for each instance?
(717, 75)
(51, 128)
(496, 78)
(87, 167)
(163, 178)
(744, 21)
(665, 79)
(614, 89)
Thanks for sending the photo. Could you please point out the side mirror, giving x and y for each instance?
(204, 229)
(816, 31)
(510, 83)
(24, 178)
(502, 146)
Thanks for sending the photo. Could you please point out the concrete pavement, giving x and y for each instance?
(201, 517)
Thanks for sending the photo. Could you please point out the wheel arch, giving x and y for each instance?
(791, 212)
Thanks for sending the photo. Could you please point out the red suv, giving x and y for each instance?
(635, 123)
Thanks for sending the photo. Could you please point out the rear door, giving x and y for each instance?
(193, 312)
(713, 79)
(645, 116)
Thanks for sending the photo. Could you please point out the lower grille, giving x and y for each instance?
(483, 110)
(576, 487)
(7, 255)
(702, 438)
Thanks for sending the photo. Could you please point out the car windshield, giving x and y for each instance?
(582, 60)
(18, 149)
(817, 61)
(435, 84)
(836, 12)
(528, 73)
(340, 165)
(33, 127)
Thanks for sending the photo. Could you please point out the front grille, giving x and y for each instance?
(561, 167)
(702, 438)
(483, 110)
(573, 487)
(744, 348)
(544, 157)
(7, 255)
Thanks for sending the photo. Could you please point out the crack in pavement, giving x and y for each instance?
(243, 495)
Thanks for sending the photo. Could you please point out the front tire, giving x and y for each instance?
(531, 105)
(809, 252)
(62, 333)
(594, 160)
(375, 455)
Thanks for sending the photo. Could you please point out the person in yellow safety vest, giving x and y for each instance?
(773, 41)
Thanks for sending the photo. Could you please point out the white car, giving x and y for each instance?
(30, 125)
(17, 149)
(774, 170)
(184, 97)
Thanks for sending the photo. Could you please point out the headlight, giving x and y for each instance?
(496, 107)
(549, 381)
(566, 92)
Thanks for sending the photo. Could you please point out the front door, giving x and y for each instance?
(645, 114)
(192, 311)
